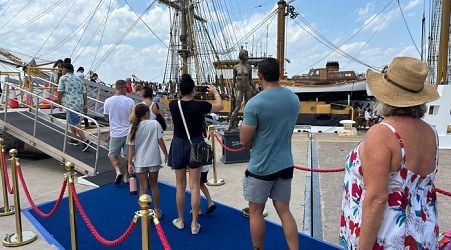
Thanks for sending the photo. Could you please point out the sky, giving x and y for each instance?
(51, 29)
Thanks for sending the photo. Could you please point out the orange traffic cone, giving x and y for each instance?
(13, 103)
(45, 104)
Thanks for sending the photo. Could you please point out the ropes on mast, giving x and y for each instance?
(15, 15)
(112, 48)
(145, 24)
(86, 28)
(56, 27)
(407, 27)
(101, 37)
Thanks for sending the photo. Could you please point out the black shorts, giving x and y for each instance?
(203, 177)
(179, 152)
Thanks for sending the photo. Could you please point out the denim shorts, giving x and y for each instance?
(258, 191)
(179, 152)
(150, 169)
(116, 145)
(74, 119)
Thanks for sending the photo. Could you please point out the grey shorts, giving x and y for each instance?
(258, 191)
(150, 169)
(116, 145)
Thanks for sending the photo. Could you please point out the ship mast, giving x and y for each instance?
(188, 46)
(442, 69)
(281, 14)
(283, 10)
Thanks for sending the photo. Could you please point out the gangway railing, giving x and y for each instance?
(38, 113)
(95, 103)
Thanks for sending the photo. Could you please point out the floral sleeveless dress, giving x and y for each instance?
(410, 215)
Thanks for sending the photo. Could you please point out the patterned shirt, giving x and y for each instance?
(73, 88)
(410, 215)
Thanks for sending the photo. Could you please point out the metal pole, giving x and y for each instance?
(19, 238)
(6, 209)
(215, 181)
(73, 226)
(144, 201)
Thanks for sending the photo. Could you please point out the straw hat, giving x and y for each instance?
(402, 83)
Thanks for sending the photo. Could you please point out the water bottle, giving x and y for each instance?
(132, 183)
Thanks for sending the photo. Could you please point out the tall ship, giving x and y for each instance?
(206, 45)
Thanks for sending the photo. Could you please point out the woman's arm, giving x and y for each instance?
(376, 159)
(132, 116)
(163, 148)
(156, 109)
(131, 153)
(217, 105)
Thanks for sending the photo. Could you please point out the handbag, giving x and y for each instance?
(200, 153)
(159, 118)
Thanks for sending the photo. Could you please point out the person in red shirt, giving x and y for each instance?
(129, 85)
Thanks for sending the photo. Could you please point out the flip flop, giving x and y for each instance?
(210, 209)
(196, 229)
(118, 179)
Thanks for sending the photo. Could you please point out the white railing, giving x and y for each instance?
(37, 99)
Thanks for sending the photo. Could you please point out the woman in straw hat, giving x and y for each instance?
(389, 197)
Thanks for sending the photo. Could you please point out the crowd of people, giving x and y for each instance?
(388, 192)
(366, 116)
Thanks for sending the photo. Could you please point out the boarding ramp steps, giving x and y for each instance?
(50, 135)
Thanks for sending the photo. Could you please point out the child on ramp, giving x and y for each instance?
(145, 140)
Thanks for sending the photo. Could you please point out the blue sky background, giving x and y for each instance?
(142, 54)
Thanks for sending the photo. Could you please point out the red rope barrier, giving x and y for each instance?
(30, 200)
(332, 170)
(444, 192)
(161, 234)
(227, 148)
(95, 233)
(5, 173)
(317, 170)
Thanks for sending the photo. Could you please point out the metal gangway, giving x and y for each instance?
(39, 121)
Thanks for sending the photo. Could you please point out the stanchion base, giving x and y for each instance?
(215, 182)
(11, 240)
(7, 211)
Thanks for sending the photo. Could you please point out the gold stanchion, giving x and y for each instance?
(215, 181)
(6, 209)
(19, 238)
(73, 226)
(144, 213)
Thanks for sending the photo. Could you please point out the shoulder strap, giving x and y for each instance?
(151, 106)
(401, 143)
(184, 121)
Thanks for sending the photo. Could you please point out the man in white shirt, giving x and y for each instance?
(116, 110)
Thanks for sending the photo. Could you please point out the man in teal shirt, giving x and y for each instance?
(268, 123)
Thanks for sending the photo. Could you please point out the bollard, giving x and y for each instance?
(215, 181)
(6, 209)
(73, 226)
(144, 201)
(19, 238)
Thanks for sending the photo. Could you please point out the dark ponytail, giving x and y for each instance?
(141, 110)
(186, 84)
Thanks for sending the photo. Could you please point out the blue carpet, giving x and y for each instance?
(111, 209)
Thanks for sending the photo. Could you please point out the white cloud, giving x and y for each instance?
(142, 54)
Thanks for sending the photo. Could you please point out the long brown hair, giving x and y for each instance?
(141, 110)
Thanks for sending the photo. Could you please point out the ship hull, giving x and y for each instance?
(321, 120)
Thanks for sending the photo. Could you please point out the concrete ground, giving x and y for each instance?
(44, 179)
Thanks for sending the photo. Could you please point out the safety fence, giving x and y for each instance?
(315, 170)
(20, 237)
